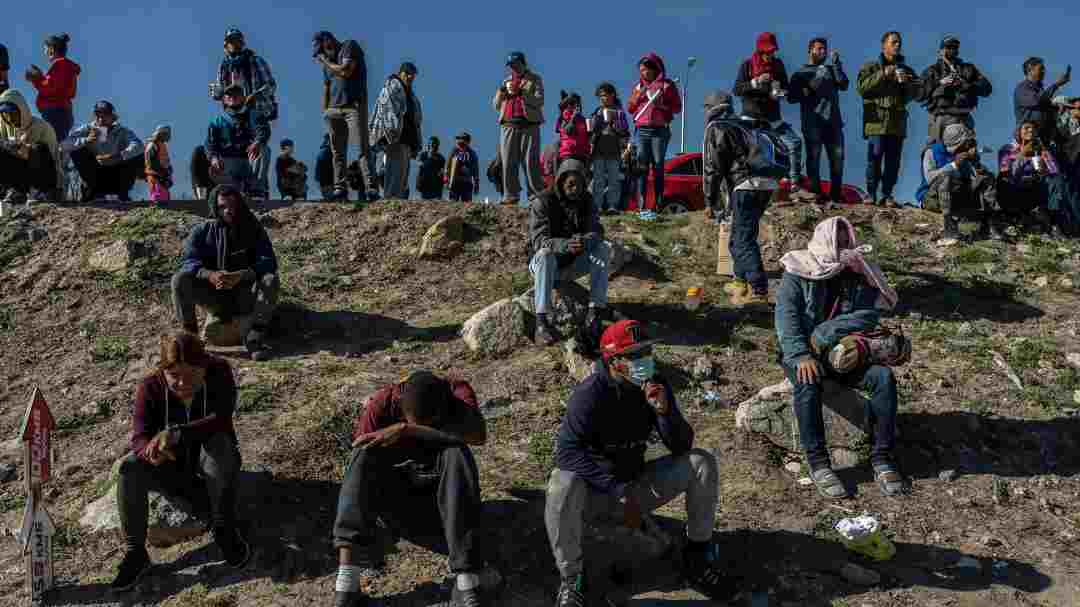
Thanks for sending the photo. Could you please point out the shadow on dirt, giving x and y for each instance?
(937, 297)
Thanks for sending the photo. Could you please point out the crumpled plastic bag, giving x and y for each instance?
(862, 534)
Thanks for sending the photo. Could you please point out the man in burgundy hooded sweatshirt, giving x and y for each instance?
(762, 82)
(56, 87)
(653, 104)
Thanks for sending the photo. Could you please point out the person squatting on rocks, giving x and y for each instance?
(183, 444)
(345, 110)
(816, 87)
(431, 171)
(29, 152)
(827, 311)
(761, 82)
(1031, 182)
(654, 102)
(291, 173)
(57, 86)
(237, 146)
(886, 85)
(463, 170)
(519, 102)
(957, 184)
(566, 240)
(600, 468)
(610, 137)
(107, 155)
(412, 466)
(229, 267)
(396, 128)
(729, 175)
(951, 89)
(159, 173)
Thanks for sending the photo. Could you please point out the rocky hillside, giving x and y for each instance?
(989, 426)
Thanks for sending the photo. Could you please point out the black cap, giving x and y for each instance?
(950, 40)
(464, 135)
(323, 35)
(104, 107)
(516, 57)
(407, 67)
(285, 143)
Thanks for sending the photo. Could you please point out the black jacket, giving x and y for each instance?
(724, 157)
(555, 219)
(759, 103)
(958, 99)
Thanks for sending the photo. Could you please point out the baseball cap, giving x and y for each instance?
(287, 143)
(464, 135)
(624, 337)
(408, 67)
(516, 57)
(950, 40)
(718, 99)
(104, 107)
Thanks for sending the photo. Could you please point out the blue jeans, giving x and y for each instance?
(883, 149)
(61, 119)
(881, 412)
(607, 183)
(831, 138)
(593, 261)
(794, 145)
(652, 150)
(747, 207)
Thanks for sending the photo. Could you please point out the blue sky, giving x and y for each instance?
(154, 60)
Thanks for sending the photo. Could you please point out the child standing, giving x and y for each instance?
(158, 165)
(610, 135)
(572, 129)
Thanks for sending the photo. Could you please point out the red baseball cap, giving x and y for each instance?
(624, 337)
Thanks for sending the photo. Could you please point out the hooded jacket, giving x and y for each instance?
(554, 219)
(463, 165)
(230, 135)
(214, 247)
(666, 101)
(119, 140)
(32, 131)
(57, 87)
(573, 132)
(884, 99)
(960, 99)
(388, 119)
(253, 74)
(531, 95)
(724, 155)
(757, 99)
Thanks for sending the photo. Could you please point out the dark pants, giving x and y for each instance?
(883, 149)
(461, 191)
(61, 119)
(258, 298)
(380, 483)
(38, 171)
(200, 169)
(204, 474)
(348, 127)
(99, 179)
(831, 139)
(652, 150)
(1050, 193)
(747, 207)
(959, 195)
(881, 412)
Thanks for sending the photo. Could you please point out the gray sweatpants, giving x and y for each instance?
(571, 502)
(518, 146)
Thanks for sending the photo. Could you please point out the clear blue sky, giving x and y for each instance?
(155, 60)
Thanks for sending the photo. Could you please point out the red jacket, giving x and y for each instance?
(573, 136)
(383, 409)
(57, 87)
(663, 108)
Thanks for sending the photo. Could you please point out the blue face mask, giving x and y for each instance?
(641, 370)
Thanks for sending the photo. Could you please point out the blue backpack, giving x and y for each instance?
(766, 156)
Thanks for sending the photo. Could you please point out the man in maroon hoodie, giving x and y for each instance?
(182, 443)
(654, 102)
(57, 87)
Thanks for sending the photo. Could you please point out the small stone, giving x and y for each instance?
(1066, 283)
(860, 576)
(8, 473)
(1073, 358)
(990, 541)
(1042, 282)
(703, 368)
(948, 476)
(793, 467)
(806, 481)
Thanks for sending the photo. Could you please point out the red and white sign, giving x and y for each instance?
(37, 531)
(37, 427)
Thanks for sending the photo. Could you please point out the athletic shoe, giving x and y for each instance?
(135, 565)
(233, 546)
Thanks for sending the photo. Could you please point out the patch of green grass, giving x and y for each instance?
(254, 398)
(542, 451)
(144, 275)
(67, 535)
(885, 253)
(111, 348)
(978, 407)
(284, 365)
(11, 501)
(1025, 352)
(142, 224)
(520, 282)
(482, 216)
(975, 254)
(1042, 258)
(7, 318)
(806, 219)
(12, 250)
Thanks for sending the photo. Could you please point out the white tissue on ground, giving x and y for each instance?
(857, 527)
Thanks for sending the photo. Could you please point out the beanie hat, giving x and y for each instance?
(956, 135)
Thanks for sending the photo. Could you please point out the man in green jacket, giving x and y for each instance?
(886, 85)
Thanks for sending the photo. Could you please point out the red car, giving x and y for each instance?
(683, 190)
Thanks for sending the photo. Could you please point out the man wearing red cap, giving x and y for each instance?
(600, 468)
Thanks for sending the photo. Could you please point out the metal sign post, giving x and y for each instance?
(37, 530)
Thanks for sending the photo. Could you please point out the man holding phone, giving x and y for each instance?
(1033, 102)
(601, 472)
(229, 266)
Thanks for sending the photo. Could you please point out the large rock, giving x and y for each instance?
(569, 306)
(770, 412)
(121, 255)
(497, 329)
(444, 239)
(226, 333)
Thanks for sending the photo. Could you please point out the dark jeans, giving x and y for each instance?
(747, 207)
(61, 119)
(832, 140)
(258, 298)
(462, 191)
(37, 171)
(204, 474)
(881, 412)
(432, 194)
(1050, 193)
(379, 482)
(652, 149)
(101, 179)
(883, 149)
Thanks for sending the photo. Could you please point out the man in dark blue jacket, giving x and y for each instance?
(237, 146)
(816, 87)
(600, 468)
(229, 266)
(1032, 101)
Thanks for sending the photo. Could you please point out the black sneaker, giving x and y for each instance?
(135, 564)
(255, 343)
(465, 598)
(233, 546)
(339, 196)
(546, 334)
(702, 574)
(571, 592)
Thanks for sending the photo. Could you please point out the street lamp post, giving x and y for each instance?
(686, 100)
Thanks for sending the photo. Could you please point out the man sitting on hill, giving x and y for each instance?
(410, 454)
(601, 472)
(826, 316)
(229, 266)
(566, 240)
(956, 183)
(108, 156)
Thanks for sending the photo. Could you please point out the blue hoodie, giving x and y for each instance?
(229, 136)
